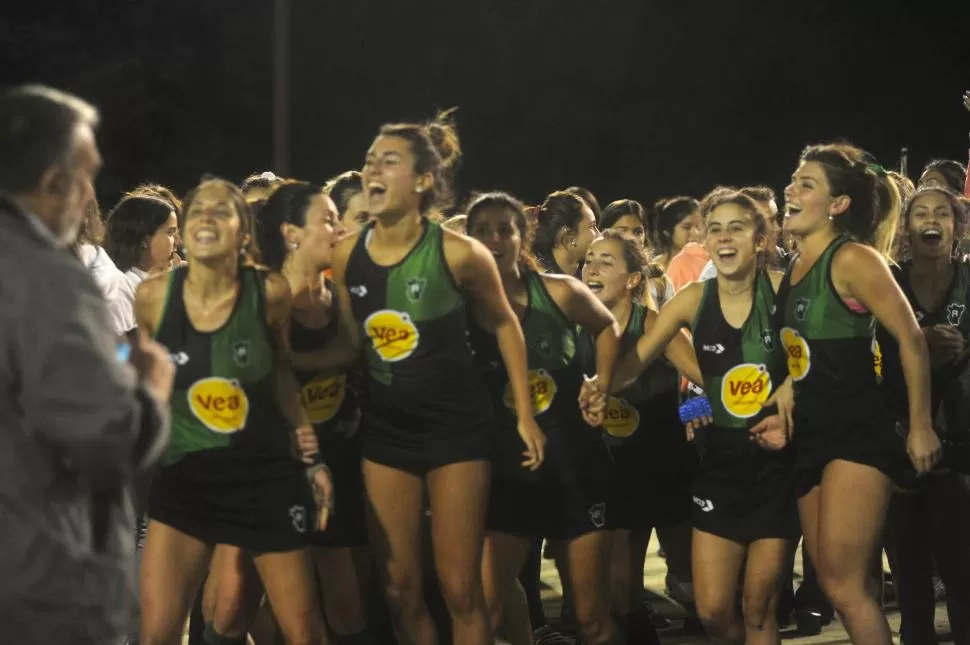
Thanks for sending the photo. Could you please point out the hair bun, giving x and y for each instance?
(444, 136)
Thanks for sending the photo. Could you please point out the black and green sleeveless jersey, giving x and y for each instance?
(633, 408)
(831, 350)
(326, 396)
(224, 398)
(555, 378)
(952, 312)
(414, 330)
(741, 367)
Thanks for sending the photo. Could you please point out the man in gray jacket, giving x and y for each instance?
(77, 424)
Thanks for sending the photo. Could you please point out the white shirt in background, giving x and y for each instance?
(661, 299)
(709, 271)
(118, 288)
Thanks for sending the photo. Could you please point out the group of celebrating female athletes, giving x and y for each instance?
(346, 363)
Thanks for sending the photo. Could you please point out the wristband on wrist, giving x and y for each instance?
(694, 409)
(311, 471)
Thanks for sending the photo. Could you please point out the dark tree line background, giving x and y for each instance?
(632, 98)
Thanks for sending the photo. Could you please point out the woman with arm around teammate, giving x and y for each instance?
(404, 284)
(847, 452)
(744, 511)
(655, 464)
(570, 499)
(228, 475)
(296, 237)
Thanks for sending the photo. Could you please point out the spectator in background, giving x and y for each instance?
(165, 194)
(76, 424)
(347, 192)
(87, 247)
(674, 225)
(947, 173)
(258, 188)
(142, 239)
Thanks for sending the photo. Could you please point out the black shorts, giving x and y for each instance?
(347, 525)
(572, 494)
(655, 469)
(533, 509)
(418, 446)
(876, 443)
(743, 493)
(218, 499)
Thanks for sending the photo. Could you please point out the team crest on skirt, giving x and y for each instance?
(298, 515)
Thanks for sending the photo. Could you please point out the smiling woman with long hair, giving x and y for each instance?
(843, 428)
(569, 501)
(654, 462)
(744, 509)
(228, 476)
(932, 521)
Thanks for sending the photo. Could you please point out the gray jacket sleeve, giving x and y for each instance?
(81, 400)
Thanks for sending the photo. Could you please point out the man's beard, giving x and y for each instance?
(70, 227)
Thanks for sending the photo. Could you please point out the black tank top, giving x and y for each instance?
(741, 367)
(632, 413)
(832, 353)
(224, 399)
(413, 323)
(326, 396)
(950, 403)
(555, 378)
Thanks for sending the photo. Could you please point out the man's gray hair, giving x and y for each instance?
(37, 125)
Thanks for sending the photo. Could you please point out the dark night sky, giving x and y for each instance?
(635, 98)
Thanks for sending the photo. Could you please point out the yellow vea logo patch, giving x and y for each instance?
(392, 334)
(797, 353)
(622, 419)
(323, 396)
(542, 390)
(877, 360)
(220, 404)
(744, 389)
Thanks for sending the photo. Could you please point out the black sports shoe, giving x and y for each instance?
(546, 635)
(658, 621)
